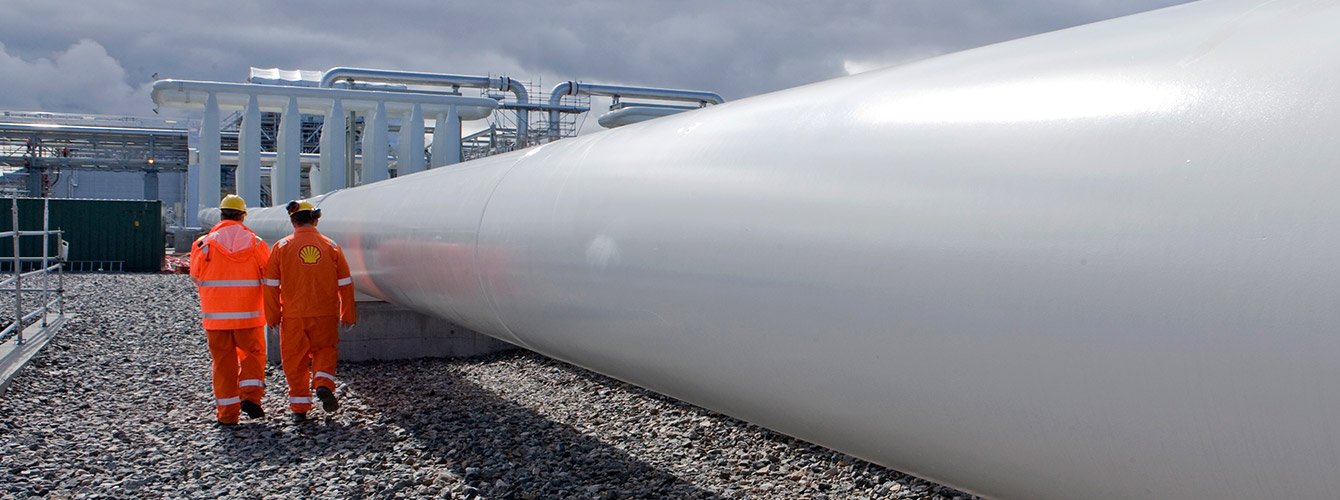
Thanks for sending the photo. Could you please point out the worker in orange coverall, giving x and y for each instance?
(227, 264)
(309, 296)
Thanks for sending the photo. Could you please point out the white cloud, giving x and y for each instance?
(101, 55)
(82, 79)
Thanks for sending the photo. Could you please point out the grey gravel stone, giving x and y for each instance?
(119, 405)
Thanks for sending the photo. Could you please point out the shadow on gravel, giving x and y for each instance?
(499, 448)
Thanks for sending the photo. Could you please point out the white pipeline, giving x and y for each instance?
(1099, 263)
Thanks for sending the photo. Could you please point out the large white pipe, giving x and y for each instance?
(1098, 263)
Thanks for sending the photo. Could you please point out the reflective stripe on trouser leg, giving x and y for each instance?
(324, 334)
(228, 283)
(224, 370)
(251, 362)
(233, 315)
(294, 347)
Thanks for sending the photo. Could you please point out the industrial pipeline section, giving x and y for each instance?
(1121, 234)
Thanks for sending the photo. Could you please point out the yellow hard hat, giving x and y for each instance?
(302, 205)
(298, 206)
(233, 202)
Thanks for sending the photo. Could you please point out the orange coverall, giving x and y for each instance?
(227, 264)
(308, 293)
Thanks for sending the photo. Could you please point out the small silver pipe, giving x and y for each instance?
(571, 88)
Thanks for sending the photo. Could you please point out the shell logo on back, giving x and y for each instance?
(309, 254)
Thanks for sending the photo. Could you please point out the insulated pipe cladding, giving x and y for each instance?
(1099, 263)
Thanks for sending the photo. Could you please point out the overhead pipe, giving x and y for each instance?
(1097, 263)
(190, 94)
(46, 127)
(215, 96)
(267, 159)
(500, 83)
(636, 114)
(571, 88)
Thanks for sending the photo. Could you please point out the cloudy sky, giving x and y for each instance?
(100, 56)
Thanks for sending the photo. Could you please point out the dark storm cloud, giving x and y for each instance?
(57, 54)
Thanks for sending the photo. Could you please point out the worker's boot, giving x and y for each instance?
(252, 409)
(328, 401)
(299, 418)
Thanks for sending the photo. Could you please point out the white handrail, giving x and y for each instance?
(45, 271)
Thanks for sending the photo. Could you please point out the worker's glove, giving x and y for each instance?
(345, 327)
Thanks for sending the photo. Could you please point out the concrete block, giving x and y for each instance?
(387, 332)
(183, 237)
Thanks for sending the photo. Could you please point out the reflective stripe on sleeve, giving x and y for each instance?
(229, 283)
(236, 315)
(251, 382)
(270, 282)
(297, 401)
(345, 281)
(230, 401)
(324, 375)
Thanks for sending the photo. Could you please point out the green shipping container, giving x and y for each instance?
(128, 232)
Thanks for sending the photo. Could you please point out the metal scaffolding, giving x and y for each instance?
(32, 155)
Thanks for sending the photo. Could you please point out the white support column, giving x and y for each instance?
(249, 155)
(209, 156)
(374, 147)
(334, 131)
(411, 142)
(316, 177)
(286, 175)
(440, 140)
(453, 130)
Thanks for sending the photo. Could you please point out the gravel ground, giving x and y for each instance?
(119, 406)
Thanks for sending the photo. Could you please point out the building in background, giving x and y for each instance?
(64, 155)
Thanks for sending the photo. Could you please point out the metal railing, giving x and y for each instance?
(20, 317)
(92, 266)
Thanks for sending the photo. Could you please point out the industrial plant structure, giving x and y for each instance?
(1096, 263)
